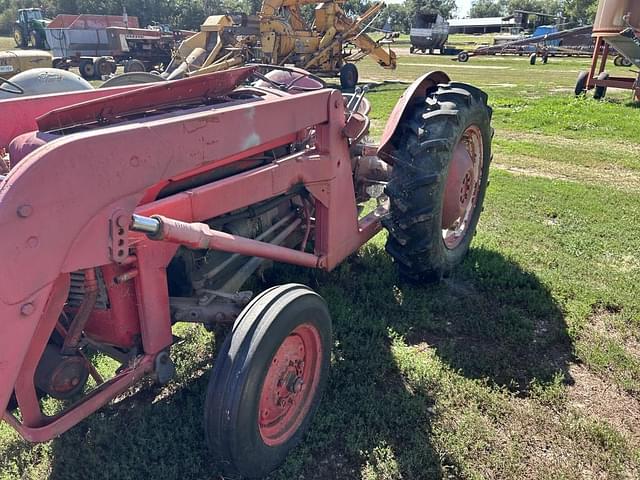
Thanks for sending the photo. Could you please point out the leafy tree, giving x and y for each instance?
(444, 7)
(487, 8)
(581, 11)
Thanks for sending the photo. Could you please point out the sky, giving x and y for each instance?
(463, 7)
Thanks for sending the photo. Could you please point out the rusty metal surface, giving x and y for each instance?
(613, 16)
(72, 338)
(24, 111)
(150, 97)
(61, 376)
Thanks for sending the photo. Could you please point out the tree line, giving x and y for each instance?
(190, 13)
(574, 11)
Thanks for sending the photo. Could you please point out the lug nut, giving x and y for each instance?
(27, 309)
(24, 211)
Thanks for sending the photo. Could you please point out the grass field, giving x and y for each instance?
(6, 43)
(525, 364)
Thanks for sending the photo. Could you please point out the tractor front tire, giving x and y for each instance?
(442, 151)
(348, 76)
(267, 380)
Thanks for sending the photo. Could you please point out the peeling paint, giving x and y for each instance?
(252, 140)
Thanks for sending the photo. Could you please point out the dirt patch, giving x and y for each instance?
(439, 65)
(612, 176)
(602, 144)
(601, 400)
(605, 321)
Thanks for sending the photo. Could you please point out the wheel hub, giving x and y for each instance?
(462, 187)
(458, 188)
(289, 385)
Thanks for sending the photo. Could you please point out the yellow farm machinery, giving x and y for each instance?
(280, 35)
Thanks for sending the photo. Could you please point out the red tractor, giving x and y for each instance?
(127, 210)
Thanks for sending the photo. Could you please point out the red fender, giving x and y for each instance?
(417, 89)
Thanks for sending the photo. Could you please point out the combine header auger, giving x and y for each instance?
(124, 213)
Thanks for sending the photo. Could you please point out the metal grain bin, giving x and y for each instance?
(609, 18)
(428, 32)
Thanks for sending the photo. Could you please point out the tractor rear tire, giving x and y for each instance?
(599, 92)
(581, 83)
(19, 37)
(348, 76)
(87, 69)
(267, 380)
(439, 178)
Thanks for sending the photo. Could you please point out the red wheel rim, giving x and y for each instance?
(463, 186)
(290, 385)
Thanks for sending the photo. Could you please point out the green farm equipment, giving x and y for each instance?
(29, 28)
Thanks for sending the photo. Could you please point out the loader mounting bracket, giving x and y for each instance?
(118, 226)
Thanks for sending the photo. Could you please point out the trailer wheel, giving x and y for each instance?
(581, 83)
(463, 57)
(267, 380)
(87, 69)
(348, 76)
(438, 181)
(621, 61)
(412, 49)
(532, 59)
(545, 58)
(103, 67)
(599, 91)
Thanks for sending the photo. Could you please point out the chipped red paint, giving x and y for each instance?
(157, 95)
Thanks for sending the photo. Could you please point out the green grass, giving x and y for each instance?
(525, 364)
(7, 43)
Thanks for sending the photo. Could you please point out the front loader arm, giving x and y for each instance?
(67, 222)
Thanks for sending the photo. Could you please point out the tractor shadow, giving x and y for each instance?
(491, 320)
